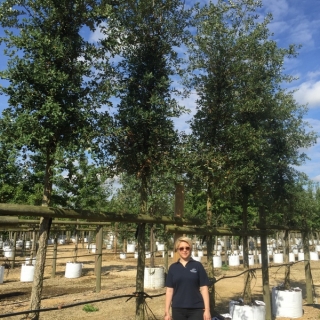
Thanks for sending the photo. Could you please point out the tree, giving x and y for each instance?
(247, 130)
(54, 96)
(145, 135)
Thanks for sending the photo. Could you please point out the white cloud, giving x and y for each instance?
(309, 93)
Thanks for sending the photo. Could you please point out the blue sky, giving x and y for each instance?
(294, 21)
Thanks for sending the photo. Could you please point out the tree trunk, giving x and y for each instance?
(265, 269)
(141, 251)
(140, 272)
(286, 247)
(209, 249)
(307, 267)
(247, 275)
(152, 247)
(44, 230)
(37, 285)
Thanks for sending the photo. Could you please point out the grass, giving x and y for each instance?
(225, 267)
(90, 308)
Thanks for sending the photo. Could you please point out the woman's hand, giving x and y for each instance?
(168, 317)
(206, 315)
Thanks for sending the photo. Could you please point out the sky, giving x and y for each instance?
(294, 22)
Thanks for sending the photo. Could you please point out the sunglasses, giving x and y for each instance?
(184, 248)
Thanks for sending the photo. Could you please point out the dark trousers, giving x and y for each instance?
(187, 313)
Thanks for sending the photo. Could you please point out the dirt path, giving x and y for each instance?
(118, 279)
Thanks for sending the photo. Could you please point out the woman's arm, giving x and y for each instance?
(169, 294)
(205, 295)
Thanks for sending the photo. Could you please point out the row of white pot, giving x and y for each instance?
(123, 255)
(285, 303)
(73, 270)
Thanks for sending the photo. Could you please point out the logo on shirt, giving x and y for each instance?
(193, 270)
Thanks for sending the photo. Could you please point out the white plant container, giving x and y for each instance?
(217, 262)
(200, 253)
(131, 247)
(295, 251)
(234, 260)
(27, 273)
(19, 244)
(136, 255)
(292, 257)
(73, 270)
(8, 252)
(28, 245)
(318, 247)
(148, 255)
(154, 278)
(300, 256)
(253, 312)
(160, 247)
(287, 303)
(123, 255)
(314, 256)
(1, 273)
(278, 258)
(251, 259)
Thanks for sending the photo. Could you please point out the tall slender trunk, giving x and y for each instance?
(209, 249)
(286, 260)
(247, 275)
(141, 252)
(307, 267)
(44, 230)
(265, 269)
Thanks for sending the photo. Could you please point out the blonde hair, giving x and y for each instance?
(183, 239)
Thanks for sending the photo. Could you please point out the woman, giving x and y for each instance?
(187, 286)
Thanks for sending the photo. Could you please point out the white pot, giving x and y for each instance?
(217, 262)
(154, 278)
(278, 258)
(254, 312)
(287, 303)
(292, 257)
(73, 270)
(234, 260)
(131, 247)
(8, 253)
(123, 255)
(314, 256)
(251, 260)
(160, 247)
(136, 255)
(27, 273)
(300, 256)
(1, 273)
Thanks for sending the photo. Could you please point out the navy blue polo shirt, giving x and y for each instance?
(186, 282)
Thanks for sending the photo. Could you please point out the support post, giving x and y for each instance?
(54, 257)
(99, 259)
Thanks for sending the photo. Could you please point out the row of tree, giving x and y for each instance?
(81, 112)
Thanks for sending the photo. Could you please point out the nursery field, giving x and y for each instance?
(118, 279)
